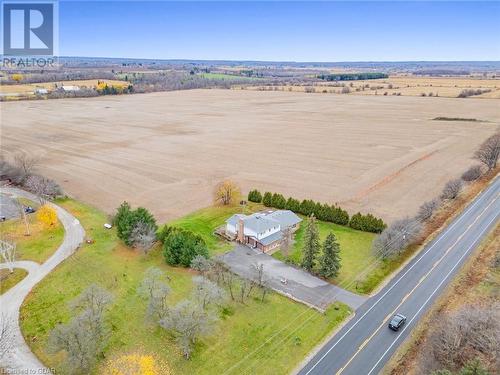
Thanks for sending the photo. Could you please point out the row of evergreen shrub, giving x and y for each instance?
(367, 223)
(322, 211)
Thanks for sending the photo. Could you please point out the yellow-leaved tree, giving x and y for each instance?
(47, 215)
(226, 192)
(17, 77)
(135, 364)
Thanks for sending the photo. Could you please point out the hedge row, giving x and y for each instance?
(367, 223)
(324, 212)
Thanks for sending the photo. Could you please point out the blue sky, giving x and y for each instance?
(282, 31)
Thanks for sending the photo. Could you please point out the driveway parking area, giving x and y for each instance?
(300, 285)
(8, 208)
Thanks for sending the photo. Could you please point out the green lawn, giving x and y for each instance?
(275, 334)
(355, 251)
(39, 245)
(355, 246)
(8, 280)
(205, 221)
(223, 76)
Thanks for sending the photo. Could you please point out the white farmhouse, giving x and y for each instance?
(262, 230)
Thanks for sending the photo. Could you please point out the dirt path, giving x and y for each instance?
(20, 359)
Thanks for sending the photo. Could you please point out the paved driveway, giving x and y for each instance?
(301, 286)
(20, 359)
(8, 207)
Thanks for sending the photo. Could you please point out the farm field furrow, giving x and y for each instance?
(166, 151)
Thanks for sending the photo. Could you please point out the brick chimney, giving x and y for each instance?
(241, 234)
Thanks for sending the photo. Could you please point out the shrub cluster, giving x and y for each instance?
(255, 196)
(127, 220)
(472, 174)
(367, 223)
(321, 211)
(181, 246)
(471, 92)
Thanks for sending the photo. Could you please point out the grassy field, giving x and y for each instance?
(355, 251)
(223, 76)
(240, 333)
(39, 245)
(205, 221)
(402, 85)
(355, 245)
(8, 280)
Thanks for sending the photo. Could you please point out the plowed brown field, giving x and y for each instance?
(166, 151)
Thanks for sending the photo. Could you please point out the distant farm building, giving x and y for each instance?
(262, 230)
(70, 88)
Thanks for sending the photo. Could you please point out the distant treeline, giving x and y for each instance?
(352, 76)
(170, 81)
(47, 76)
(322, 211)
(441, 72)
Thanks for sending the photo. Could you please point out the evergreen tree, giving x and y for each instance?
(126, 219)
(255, 196)
(292, 205)
(330, 260)
(278, 201)
(268, 199)
(311, 244)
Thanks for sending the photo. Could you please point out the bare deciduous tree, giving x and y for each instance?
(189, 322)
(42, 187)
(489, 151)
(24, 216)
(143, 236)
(8, 253)
(11, 172)
(202, 264)
(261, 279)
(452, 189)
(286, 241)
(95, 299)
(394, 239)
(78, 342)
(472, 174)
(154, 287)
(26, 162)
(246, 287)
(85, 336)
(226, 192)
(463, 336)
(427, 209)
(206, 292)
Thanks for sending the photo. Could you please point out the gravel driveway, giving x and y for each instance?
(301, 286)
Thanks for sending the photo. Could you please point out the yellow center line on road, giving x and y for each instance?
(414, 288)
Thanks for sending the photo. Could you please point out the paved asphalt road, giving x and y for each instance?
(366, 343)
(20, 360)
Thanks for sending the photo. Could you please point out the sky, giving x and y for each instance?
(326, 31)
